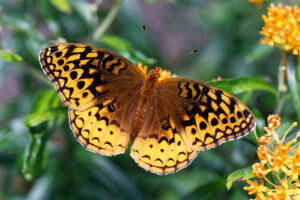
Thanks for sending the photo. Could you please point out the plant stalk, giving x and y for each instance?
(107, 20)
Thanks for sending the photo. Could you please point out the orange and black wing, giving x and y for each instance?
(205, 115)
(187, 116)
(159, 147)
(99, 87)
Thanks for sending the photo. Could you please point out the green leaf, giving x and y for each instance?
(212, 190)
(32, 160)
(124, 47)
(9, 56)
(243, 84)
(239, 175)
(36, 119)
(44, 100)
(62, 5)
(293, 84)
(259, 52)
(116, 42)
(136, 56)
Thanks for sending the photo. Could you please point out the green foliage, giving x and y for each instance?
(259, 52)
(39, 155)
(125, 48)
(32, 160)
(62, 5)
(294, 85)
(9, 56)
(243, 84)
(239, 175)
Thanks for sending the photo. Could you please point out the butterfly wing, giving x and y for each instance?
(99, 87)
(205, 115)
(158, 147)
(85, 75)
(105, 128)
(187, 116)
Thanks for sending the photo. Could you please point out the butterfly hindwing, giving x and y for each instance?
(104, 129)
(159, 147)
(207, 116)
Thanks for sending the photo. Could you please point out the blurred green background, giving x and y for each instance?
(39, 156)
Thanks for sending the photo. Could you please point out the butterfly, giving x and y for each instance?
(168, 120)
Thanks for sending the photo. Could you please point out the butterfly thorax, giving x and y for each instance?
(147, 95)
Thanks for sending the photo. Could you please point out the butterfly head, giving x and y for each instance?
(155, 73)
(160, 74)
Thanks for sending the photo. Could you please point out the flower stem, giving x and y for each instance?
(295, 145)
(107, 21)
(289, 129)
(281, 85)
(255, 134)
(266, 179)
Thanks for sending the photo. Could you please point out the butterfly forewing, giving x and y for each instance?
(86, 75)
(100, 87)
(207, 116)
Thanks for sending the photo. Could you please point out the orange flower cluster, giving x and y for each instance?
(164, 74)
(282, 27)
(277, 159)
(258, 1)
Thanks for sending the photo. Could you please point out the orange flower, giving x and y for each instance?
(143, 68)
(281, 191)
(263, 153)
(280, 157)
(285, 168)
(296, 191)
(271, 195)
(273, 121)
(294, 165)
(282, 27)
(283, 150)
(264, 140)
(256, 189)
(259, 170)
(164, 74)
(257, 1)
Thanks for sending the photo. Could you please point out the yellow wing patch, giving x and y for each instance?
(159, 147)
(96, 132)
(104, 129)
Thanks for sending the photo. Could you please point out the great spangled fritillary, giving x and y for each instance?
(111, 101)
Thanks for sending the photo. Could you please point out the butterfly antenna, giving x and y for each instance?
(181, 58)
(149, 46)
